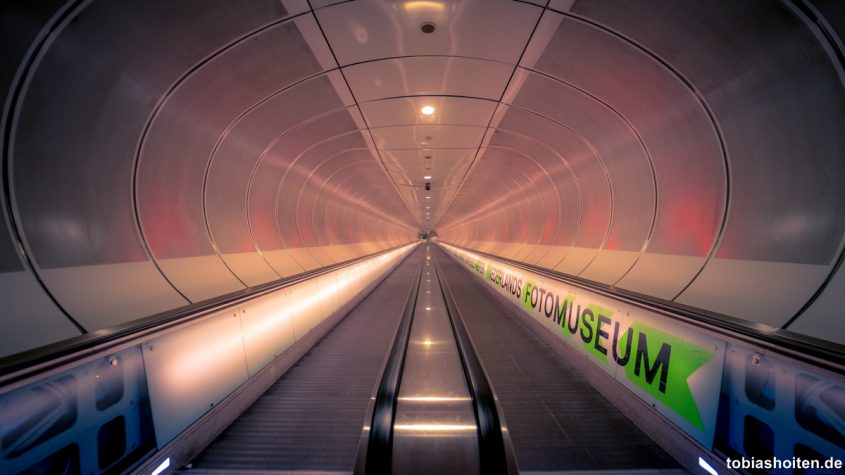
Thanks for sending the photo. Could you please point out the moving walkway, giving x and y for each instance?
(427, 369)
(459, 366)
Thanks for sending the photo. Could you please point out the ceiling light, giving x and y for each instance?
(427, 177)
(427, 197)
(427, 110)
(427, 6)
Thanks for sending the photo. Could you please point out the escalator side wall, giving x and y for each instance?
(734, 399)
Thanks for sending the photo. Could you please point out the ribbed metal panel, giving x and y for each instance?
(556, 420)
(312, 417)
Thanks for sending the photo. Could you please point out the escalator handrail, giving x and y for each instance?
(379, 453)
(493, 454)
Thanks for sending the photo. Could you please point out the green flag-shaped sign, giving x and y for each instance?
(668, 384)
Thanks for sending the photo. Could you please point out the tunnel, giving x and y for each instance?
(407, 236)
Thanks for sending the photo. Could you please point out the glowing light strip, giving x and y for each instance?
(191, 364)
(434, 399)
(434, 427)
(425, 5)
(162, 467)
(706, 466)
(300, 305)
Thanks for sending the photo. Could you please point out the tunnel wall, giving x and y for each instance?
(689, 153)
(155, 156)
(160, 154)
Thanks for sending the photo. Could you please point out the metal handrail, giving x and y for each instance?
(493, 456)
(380, 441)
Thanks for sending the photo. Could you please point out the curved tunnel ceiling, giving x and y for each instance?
(159, 153)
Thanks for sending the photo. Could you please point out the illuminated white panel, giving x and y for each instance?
(330, 292)
(194, 368)
(190, 370)
(304, 308)
(267, 329)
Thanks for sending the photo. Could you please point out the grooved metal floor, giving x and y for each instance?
(557, 421)
(311, 418)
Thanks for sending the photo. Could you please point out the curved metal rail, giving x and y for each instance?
(495, 454)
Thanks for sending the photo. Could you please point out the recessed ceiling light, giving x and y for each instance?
(427, 110)
(427, 197)
(427, 177)
(428, 27)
